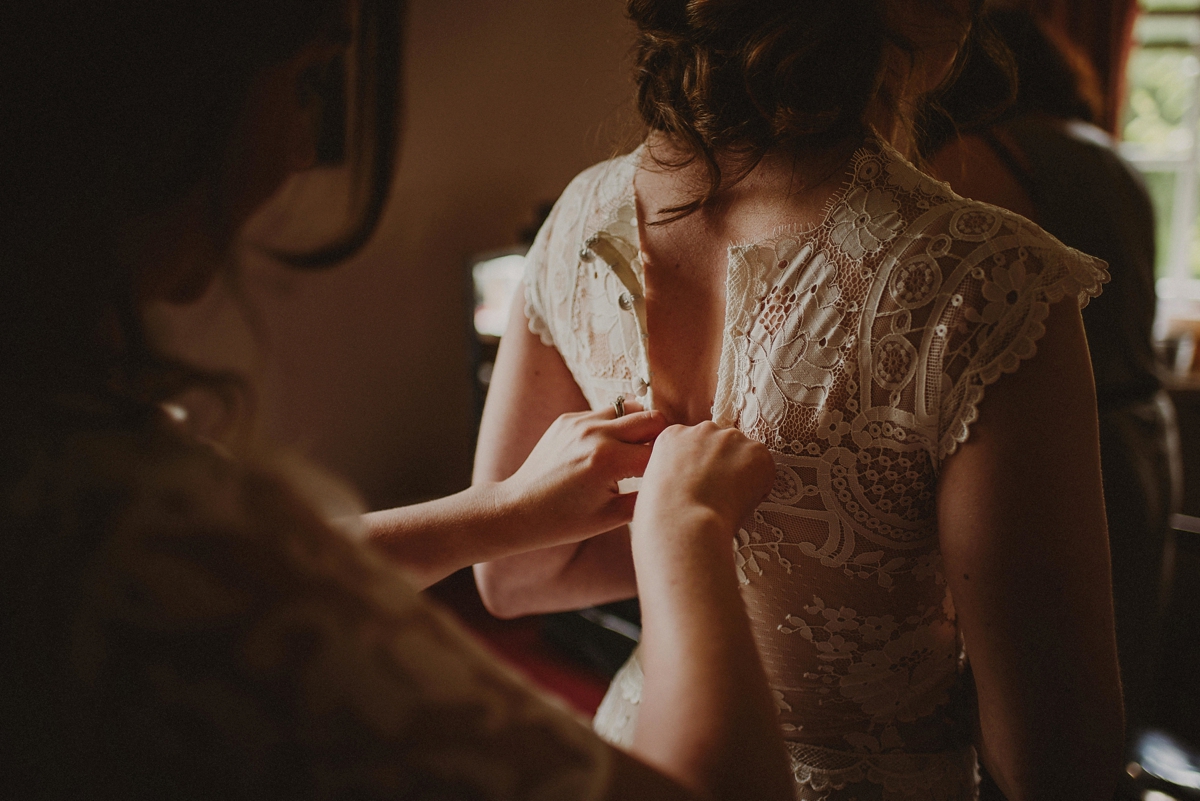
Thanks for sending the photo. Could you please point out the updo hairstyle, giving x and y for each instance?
(737, 78)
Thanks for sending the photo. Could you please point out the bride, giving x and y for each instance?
(928, 582)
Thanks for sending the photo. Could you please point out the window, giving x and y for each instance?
(1159, 135)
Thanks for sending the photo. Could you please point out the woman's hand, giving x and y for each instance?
(705, 467)
(568, 483)
(564, 492)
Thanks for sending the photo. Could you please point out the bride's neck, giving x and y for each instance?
(794, 177)
(893, 127)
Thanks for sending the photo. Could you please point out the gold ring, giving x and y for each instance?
(619, 406)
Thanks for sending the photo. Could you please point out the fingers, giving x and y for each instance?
(636, 426)
(621, 507)
(632, 406)
(629, 460)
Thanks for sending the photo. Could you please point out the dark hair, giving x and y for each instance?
(737, 78)
(1053, 77)
(122, 107)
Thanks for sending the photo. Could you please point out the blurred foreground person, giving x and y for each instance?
(1047, 160)
(180, 622)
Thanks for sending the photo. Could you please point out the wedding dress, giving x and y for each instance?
(858, 351)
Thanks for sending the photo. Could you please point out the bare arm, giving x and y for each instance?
(707, 728)
(701, 483)
(1023, 536)
(564, 491)
(531, 387)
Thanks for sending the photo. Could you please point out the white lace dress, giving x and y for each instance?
(858, 351)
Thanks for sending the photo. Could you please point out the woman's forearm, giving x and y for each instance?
(698, 654)
(526, 563)
(431, 540)
(566, 491)
(573, 576)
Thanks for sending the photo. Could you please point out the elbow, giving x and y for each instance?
(499, 592)
(1079, 761)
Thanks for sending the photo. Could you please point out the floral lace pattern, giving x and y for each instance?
(822, 774)
(858, 351)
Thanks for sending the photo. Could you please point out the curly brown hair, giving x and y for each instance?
(730, 80)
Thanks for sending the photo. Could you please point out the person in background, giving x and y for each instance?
(180, 620)
(1046, 160)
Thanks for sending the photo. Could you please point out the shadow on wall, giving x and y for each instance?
(366, 366)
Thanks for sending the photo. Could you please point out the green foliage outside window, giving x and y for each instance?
(1161, 88)
(1170, 5)
(1158, 123)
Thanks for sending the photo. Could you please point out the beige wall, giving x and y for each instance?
(367, 364)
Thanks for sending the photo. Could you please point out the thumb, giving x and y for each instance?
(637, 427)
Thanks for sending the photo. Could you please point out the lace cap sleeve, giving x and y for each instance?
(992, 313)
(537, 265)
(553, 262)
(223, 607)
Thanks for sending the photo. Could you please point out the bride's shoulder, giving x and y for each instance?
(936, 216)
(879, 165)
(602, 185)
(588, 202)
(616, 170)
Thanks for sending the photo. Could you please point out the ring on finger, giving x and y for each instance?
(619, 406)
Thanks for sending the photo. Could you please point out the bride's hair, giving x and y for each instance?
(736, 78)
(115, 110)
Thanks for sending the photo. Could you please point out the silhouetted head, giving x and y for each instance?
(140, 136)
(1053, 77)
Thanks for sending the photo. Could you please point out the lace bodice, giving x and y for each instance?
(858, 351)
(206, 635)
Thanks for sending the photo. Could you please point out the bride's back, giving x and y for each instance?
(685, 260)
(772, 260)
(754, 110)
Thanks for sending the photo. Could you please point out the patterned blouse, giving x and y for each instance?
(858, 350)
(182, 625)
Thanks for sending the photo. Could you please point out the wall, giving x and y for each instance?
(367, 365)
